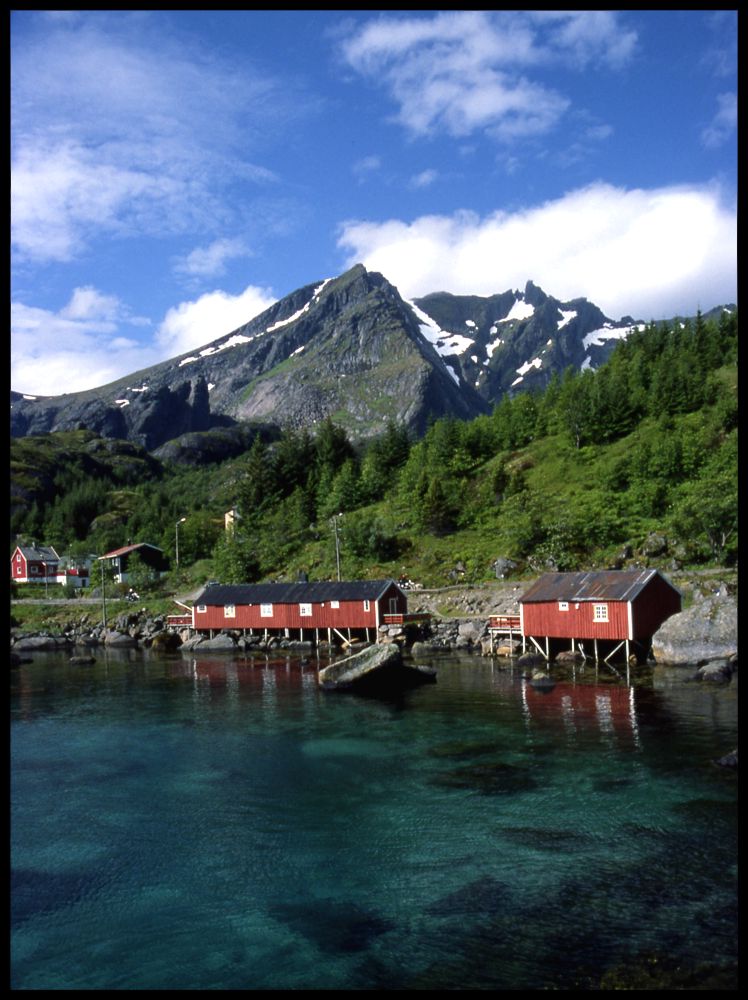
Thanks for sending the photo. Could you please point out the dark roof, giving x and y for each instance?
(39, 553)
(609, 585)
(293, 593)
(129, 548)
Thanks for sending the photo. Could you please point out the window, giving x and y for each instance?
(563, 605)
(305, 610)
(229, 611)
(201, 609)
(367, 606)
(334, 604)
(599, 612)
(266, 611)
(18, 556)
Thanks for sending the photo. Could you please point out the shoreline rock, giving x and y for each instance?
(704, 632)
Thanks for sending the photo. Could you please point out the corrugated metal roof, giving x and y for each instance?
(611, 585)
(292, 593)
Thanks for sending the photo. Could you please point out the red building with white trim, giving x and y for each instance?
(301, 610)
(598, 612)
(34, 564)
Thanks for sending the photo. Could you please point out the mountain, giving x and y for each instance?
(350, 348)
(515, 341)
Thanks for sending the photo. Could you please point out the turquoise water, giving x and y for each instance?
(224, 824)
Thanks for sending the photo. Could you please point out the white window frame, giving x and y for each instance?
(367, 605)
(201, 609)
(305, 610)
(599, 612)
(229, 611)
(335, 604)
(266, 611)
(563, 605)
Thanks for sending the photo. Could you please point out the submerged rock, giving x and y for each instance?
(380, 665)
(729, 760)
(716, 671)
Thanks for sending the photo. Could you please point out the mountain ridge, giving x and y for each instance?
(350, 348)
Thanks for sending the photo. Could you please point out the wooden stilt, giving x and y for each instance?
(595, 646)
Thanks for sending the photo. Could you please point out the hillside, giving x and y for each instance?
(635, 464)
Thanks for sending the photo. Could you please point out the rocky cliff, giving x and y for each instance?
(349, 348)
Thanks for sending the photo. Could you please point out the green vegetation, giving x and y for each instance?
(573, 477)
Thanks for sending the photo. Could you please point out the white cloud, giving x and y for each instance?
(193, 324)
(210, 261)
(89, 304)
(724, 123)
(366, 166)
(425, 179)
(125, 132)
(466, 71)
(76, 348)
(645, 253)
(82, 346)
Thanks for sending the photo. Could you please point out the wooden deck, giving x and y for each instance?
(417, 618)
(504, 623)
(178, 621)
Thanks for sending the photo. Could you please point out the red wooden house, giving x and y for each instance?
(598, 611)
(301, 610)
(34, 563)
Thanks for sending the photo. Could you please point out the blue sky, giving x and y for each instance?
(174, 173)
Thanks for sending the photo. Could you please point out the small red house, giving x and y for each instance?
(34, 563)
(612, 608)
(341, 608)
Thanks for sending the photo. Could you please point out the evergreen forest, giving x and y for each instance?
(581, 475)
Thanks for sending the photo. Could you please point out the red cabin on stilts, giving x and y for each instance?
(598, 612)
(301, 610)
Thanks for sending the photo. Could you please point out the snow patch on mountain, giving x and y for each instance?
(596, 338)
(299, 312)
(443, 341)
(520, 310)
(566, 317)
(521, 372)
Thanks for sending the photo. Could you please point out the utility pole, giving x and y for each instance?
(176, 546)
(337, 542)
(103, 592)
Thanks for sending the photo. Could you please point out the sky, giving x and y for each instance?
(175, 173)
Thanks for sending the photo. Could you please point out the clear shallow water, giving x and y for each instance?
(224, 824)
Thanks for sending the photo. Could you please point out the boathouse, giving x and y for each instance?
(599, 613)
(307, 611)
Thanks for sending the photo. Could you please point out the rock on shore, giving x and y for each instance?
(706, 631)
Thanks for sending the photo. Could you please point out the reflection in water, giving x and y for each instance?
(222, 823)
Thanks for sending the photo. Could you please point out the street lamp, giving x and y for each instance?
(180, 521)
